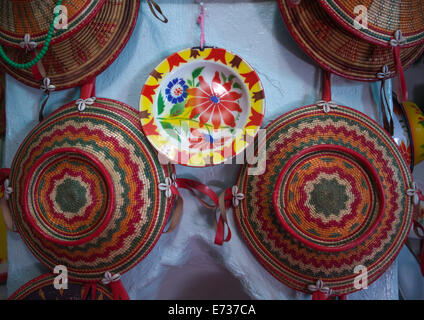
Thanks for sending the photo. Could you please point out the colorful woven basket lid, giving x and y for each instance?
(321, 191)
(86, 190)
(383, 19)
(336, 49)
(42, 288)
(34, 17)
(339, 186)
(84, 54)
(202, 107)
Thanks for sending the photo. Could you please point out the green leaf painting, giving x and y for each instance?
(197, 72)
(166, 125)
(173, 134)
(161, 103)
(177, 109)
(236, 85)
(224, 78)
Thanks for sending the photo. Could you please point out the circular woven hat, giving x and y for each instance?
(384, 18)
(86, 191)
(42, 288)
(34, 17)
(337, 50)
(326, 172)
(84, 54)
(319, 193)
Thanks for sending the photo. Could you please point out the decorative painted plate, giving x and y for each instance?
(202, 107)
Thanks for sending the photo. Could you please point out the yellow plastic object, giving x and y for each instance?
(416, 122)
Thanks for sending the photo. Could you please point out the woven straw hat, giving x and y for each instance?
(42, 288)
(330, 212)
(84, 54)
(34, 17)
(336, 49)
(384, 18)
(86, 190)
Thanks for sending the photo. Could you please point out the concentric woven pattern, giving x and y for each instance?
(334, 48)
(328, 198)
(42, 288)
(82, 56)
(384, 18)
(111, 132)
(289, 260)
(34, 17)
(68, 196)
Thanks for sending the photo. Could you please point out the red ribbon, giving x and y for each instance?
(326, 86)
(90, 286)
(403, 93)
(420, 195)
(227, 200)
(118, 291)
(35, 69)
(318, 295)
(3, 278)
(4, 174)
(193, 185)
(88, 90)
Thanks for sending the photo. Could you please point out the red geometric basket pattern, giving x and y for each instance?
(329, 198)
(286, 258)
(83, 55)
(111, 132)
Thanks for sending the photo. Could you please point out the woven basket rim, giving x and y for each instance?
(76, 74)
(265, 261)
(82, 16)
(163, 206)
(348, 25)
(50, 277)
(330, 64)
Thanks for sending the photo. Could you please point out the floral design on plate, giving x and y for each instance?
(401, 132)
(409, 131)
(199, 107)
(176, 91)
(215, 102)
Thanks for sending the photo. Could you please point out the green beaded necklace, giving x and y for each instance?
(41, 54)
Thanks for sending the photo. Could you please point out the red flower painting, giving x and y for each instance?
(215, 102)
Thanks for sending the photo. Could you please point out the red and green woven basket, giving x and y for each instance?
(18, 18)
(336, 49)
(42, 288)
(383, 18)
(83, 54)
(86, 190)
(329, 214)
